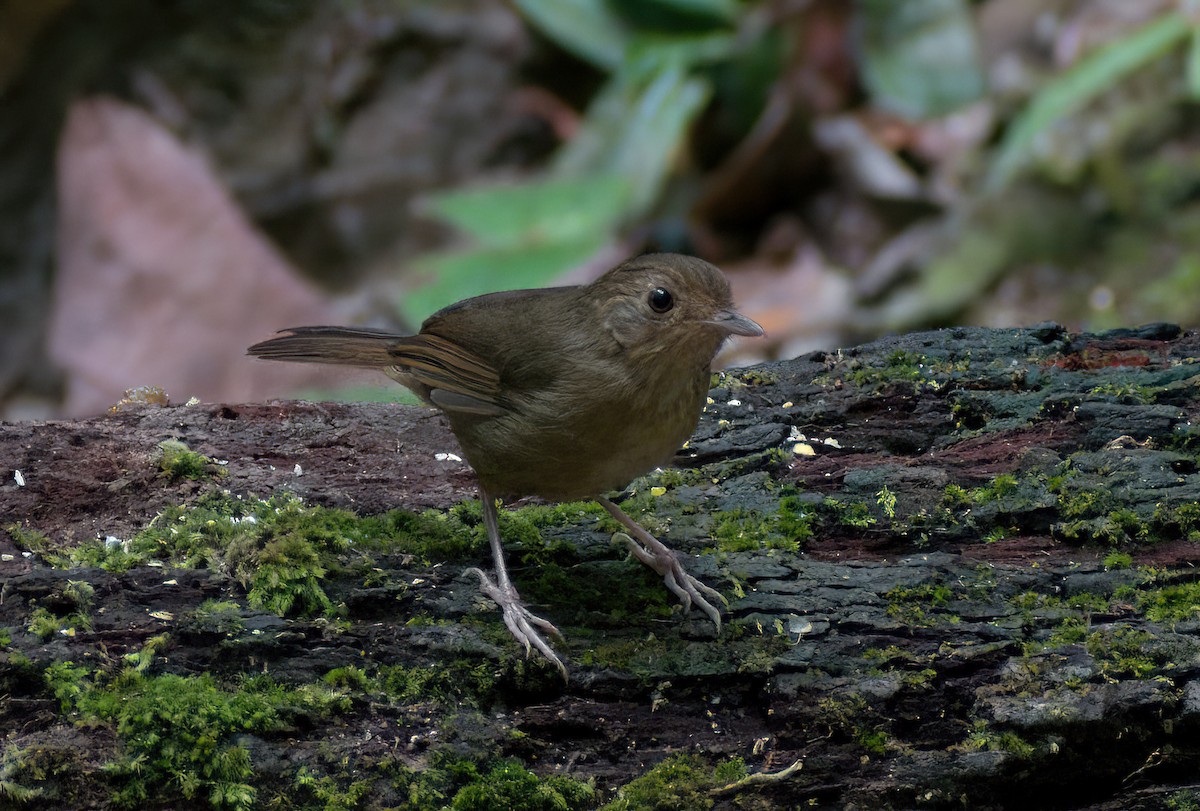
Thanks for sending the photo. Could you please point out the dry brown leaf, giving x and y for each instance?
(161, 279)
(804, 304)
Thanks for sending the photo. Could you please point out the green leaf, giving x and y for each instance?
(676, 15)
(650, 54)
(612, 171)
(586, 28)
(460, 275)
(920, 57)
(635, 127)
(1193, 64)
(549, 210)
(1075, 87)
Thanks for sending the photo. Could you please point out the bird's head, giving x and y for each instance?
(669, 303)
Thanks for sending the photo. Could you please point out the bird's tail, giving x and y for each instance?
(346, 346)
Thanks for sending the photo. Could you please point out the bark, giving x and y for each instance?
(960, 567)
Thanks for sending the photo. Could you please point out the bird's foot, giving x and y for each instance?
(690, 591)
(520, 620)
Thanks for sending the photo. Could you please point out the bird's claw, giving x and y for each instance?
(521, 621)
(688, 589)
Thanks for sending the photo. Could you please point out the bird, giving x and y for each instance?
(561, 393)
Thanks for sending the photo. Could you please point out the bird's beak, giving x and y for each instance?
(734, 323)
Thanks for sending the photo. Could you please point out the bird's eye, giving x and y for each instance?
(661, 300)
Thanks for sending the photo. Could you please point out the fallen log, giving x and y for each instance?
(960, 567)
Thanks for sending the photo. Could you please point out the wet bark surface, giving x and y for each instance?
(959, 564)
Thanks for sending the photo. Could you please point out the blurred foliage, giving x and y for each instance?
(920, 59)
(612, 170)
(523, 234)
(670, 63)
(859, 167)
(1092, 75)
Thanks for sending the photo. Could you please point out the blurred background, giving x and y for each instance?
(181, 178)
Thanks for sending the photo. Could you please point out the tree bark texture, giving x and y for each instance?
(960, 567)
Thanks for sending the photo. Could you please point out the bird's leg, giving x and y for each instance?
(658, 556)
(517, 617)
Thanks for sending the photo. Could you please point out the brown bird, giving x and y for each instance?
(564, 393)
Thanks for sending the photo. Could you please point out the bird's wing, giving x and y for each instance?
(456, 378)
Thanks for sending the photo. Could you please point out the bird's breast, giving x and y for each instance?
(567, 445)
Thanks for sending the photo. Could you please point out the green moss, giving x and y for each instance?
(889, 654)
(1006, 494)
(1085, 513)
(756, 377)
(1172, 603)
(855, 514)
(1088, 602)
(955, 496)
(874, 741)
(1001, 487)
(45, 624)
(224, 531)
(524, 534)
(996, 535)
(1071, 631)
(1126, 392)
(1184, 438)
(623, 654)
(180, 462)
(1177, 521)
(429, 536)
(1030, 600)
(649, 658)
(1040, 609)
(1183, 800)
(1128, 524)
(910, 604)
(900, 366)
(178, 734)
(1116, 528)
(67, 681)
(851, 718)
(886, 500)
(30, 540)
(1062, 475)
(771, 459)
(449, 781)
(278, 548)
(985, 739)
(508, 786)
(1124, 652)
(1083, 503)
(672, 478)
(472, 682)
(329, 793)
(214, 617)
(601, 593)
(1118, 560)
(745, 530)
(679, 783)
(17, 769)
(728, 771)
(912, 669)
(287, 576)
(350, 678)
(80, 594)
(141, 659)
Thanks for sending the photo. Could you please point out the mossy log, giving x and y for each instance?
(960, 567)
